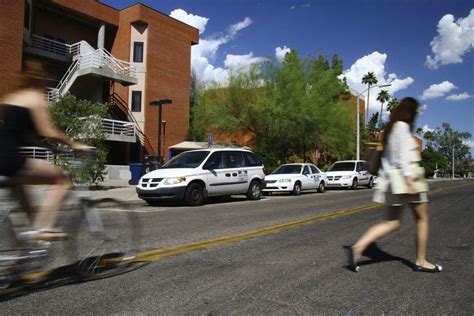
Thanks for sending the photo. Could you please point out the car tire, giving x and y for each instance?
(371, 183)
(194, 195)
(255, 190)
(321, 187)
(355, 183)
(296, 189)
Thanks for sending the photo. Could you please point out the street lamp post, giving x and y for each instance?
(159, 104)
(164, 134)
(358, 117)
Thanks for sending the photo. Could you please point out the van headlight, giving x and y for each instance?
(284, 180)
(346, 177)
(171, 181)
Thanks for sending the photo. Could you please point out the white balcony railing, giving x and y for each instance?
(37, 153)
(115, 127)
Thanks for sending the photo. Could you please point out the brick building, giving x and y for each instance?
(124, 58)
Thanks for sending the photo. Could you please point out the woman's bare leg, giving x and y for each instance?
(38, 171)
(420, 212)
(391, 224)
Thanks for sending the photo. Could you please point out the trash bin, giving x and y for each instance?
(136, 169)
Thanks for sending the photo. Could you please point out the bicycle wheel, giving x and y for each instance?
(105, 238)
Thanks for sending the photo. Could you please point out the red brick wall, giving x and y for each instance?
(11, 41)
(91, 8)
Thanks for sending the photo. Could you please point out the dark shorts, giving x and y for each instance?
(10, 165)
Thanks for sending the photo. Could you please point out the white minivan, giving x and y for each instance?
(194, 175)
(349, 174)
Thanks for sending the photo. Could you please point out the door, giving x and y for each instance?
(363, 173)
(236, 170)
(316, 176)
(217, 180)
(307, 178)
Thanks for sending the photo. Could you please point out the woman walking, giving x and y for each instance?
(400, 154)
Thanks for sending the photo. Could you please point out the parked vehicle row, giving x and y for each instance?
(194, 175)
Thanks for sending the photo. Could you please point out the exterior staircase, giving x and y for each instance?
(88, 60)
(117, 103)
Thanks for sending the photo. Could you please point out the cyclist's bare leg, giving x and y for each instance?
(20, 193)
(37, 172)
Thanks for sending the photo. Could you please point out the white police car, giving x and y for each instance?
(349, 174)
(196, 174)
(294, 178)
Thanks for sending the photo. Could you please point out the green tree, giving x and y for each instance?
(369, 79)
(446, 141)
(82, 120)
(392, 104)
(292, 108)
(432, 160)
(382, 97)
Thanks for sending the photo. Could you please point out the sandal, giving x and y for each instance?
(51, 235)
(352, 263)
(437, 268)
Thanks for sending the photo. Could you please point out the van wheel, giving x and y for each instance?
(321, 187)
(371, 183)
(296, 189)
(255, 191)
(194, 195)
(354, 184)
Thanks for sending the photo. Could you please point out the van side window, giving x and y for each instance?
(214, 161)
(314, 169)
(233, 159)
(251, 160)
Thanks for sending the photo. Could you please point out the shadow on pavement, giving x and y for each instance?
(377, 255)
(61, 276)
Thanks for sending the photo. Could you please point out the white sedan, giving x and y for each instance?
(294, 178)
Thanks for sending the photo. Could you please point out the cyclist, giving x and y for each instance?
(24, 121)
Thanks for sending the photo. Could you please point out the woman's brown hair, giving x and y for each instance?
(405, 111)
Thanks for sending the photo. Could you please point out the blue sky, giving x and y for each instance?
(390, 37)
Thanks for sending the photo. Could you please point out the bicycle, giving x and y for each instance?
(103, 236)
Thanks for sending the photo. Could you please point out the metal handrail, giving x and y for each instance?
(116, 127)
(37, 153)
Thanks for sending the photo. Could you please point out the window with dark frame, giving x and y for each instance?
(136, 101)
(27, 15)
(137, 52)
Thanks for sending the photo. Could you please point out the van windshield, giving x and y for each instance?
(190, 159)
(342, 166)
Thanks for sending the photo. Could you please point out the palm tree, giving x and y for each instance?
(383, 97)
(392, 104)
(370, 80)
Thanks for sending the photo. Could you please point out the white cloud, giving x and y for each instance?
(197, 21)
(459, 97)
(455, 38)
(438, 90)
(203, 55)
(426, 128)
(469, 143)
(280, 53)
(292, 7)
(236, 28)
(374, 62)
(242, 61)
(423, 108)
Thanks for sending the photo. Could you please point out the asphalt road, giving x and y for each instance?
(280, 255)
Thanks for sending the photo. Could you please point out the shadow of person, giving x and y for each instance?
(376, 255)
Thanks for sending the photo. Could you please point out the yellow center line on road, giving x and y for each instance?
(157, 254)
(161, 253)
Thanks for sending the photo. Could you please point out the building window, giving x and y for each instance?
(136, 101)
(27, 15)
(137, 52)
